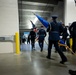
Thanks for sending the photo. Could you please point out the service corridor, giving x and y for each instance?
(35, 63)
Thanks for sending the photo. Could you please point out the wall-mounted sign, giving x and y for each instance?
(7, 38)
(2, 38)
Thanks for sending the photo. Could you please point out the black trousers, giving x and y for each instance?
(74, 44)
(41, 43)
(63, 57)
(23, 40)
(33, 43)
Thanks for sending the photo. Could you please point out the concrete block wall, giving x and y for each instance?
(70, 12)
(9, 23)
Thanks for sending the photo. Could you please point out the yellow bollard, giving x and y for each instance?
(71, 43)
(17, 43)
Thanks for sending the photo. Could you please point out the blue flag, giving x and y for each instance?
(61, 41)
(33, 25)
(43, 21)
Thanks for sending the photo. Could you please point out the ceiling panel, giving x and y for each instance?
(43, 1)
(27, 8)
(34, 7)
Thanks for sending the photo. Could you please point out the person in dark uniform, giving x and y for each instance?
(28, 39)
(53, 29)
(41, 37)
(32, 36)
(72, 30)
(65, 33)
(64, 37)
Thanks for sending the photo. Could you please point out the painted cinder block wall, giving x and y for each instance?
(9, 23)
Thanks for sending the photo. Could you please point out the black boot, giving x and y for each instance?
(41, 49)
(48, 57)
(62, 62)
(71, 72)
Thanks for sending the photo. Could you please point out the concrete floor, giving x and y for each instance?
(35, 63)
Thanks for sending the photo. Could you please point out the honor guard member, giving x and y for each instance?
(54, 36)
(72, 30)
(41, 37)
(32, 36)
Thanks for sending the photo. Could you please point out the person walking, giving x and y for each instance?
(23, 39)
(28, 39)
(54, 36)
(41, 37)
(65, 33)
(72, 30)
(64, 37)
(32, 36)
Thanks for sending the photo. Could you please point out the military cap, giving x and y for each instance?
(54, 16)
